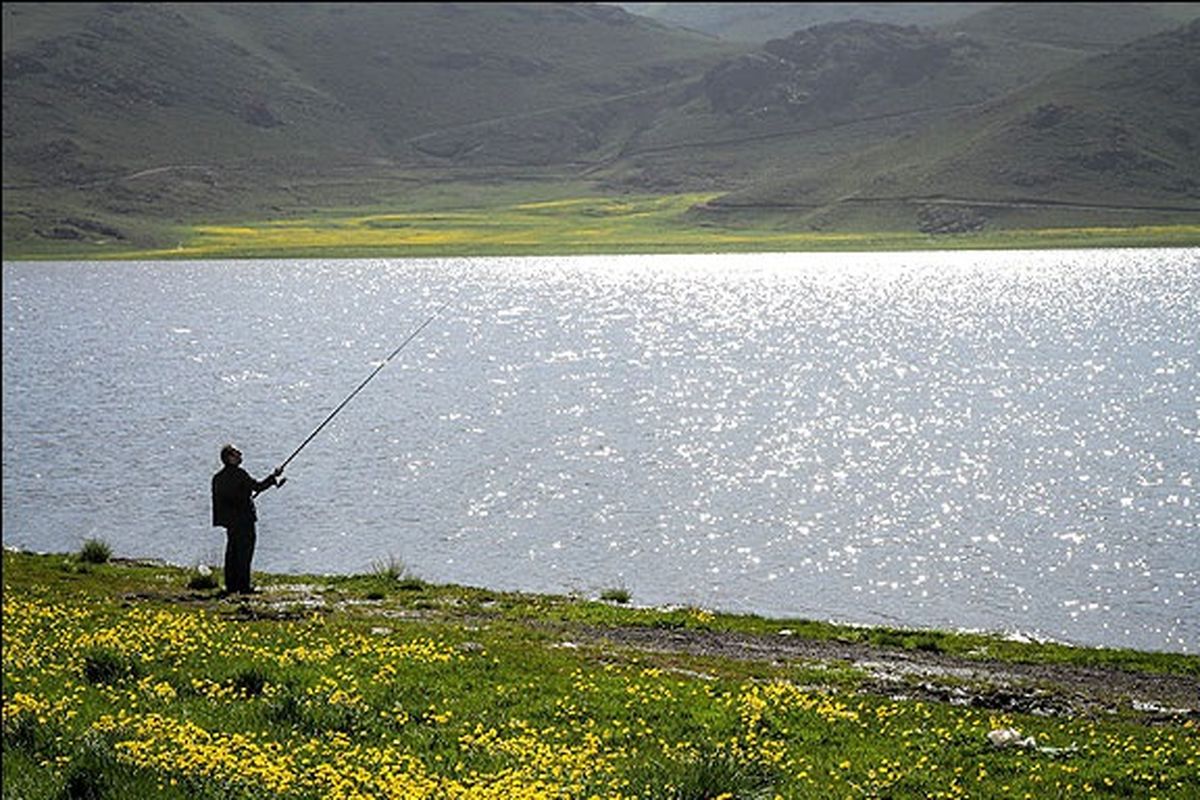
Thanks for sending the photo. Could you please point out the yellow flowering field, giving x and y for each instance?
(120, 681)
(644, 223)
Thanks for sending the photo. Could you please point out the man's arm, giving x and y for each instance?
(266, 483)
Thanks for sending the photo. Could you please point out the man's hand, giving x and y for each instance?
(280, 482)
(278, 471)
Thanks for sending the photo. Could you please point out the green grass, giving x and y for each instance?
(392, 573)
(616, 594)
(120, 683)
(578, 225)
(95, 551)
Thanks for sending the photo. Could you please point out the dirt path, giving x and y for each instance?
(1050, 689)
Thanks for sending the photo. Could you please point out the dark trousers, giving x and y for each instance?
(239, 550)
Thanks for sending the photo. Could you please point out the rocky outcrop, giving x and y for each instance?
(950, 219)
(824, 66)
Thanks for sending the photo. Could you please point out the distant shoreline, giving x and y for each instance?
(588, 225)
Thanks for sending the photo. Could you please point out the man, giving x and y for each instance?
(233, 493)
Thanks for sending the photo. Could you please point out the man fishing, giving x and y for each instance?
(233, 489)
(233, 493)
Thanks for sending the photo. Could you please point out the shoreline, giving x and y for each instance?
(276, 592)
(129, 679)
(1012, 636)
(350, 254)
(595, 226)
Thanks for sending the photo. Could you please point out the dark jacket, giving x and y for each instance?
(232, 490)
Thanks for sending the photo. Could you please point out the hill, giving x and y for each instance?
(115, 110)
(759, 22)
(129, 123)
(314, 80)
(1109, 141)
(821, 94)
(793, 103)
(1092, 27)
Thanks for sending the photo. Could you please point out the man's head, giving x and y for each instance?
(231, 455)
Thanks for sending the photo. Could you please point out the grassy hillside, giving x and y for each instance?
(116, 112)
(1074, 145)
(820, 95)
(1093, 27)
(317, 82)
(800, 103)
(759, 22)
(128, 126)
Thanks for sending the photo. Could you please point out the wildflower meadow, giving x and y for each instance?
(121, 682)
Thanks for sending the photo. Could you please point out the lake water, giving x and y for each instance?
(1006, 441)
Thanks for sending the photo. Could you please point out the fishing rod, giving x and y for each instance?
(350, 396)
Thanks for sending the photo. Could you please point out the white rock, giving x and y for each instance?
(1009, 737)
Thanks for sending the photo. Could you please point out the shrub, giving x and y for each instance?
(95, 551)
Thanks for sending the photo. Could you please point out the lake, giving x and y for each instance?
(1006, 441)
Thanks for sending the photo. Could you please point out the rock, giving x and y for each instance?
(1003, 738)
(1047, 115)
(822, 67)
(950, 219)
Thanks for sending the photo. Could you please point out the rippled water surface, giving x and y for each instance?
(1007, 441)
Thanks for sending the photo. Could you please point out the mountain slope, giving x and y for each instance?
(1093, 27)
(116, 111)
(820, 95)
(759, 22)
(121, 120)
(311, 81)
(1112, 139)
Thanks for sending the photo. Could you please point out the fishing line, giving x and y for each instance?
(368, 379)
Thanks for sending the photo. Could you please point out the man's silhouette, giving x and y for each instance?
(233, 493)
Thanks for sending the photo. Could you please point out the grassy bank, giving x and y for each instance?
(137, 680)
(563, 226)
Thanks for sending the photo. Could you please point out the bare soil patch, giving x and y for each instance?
(1049, 689)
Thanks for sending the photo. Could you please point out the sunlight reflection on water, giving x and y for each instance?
(1004, 441)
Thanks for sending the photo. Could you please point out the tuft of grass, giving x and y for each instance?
(95, 551)
(291, 709)
(394, 573)
(701, 776)
(251, 681)
(389, 570)
(90, 776)
(202, 579)
(616, 594)
(102, 665)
